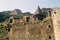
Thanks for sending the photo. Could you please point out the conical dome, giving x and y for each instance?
(38, 11)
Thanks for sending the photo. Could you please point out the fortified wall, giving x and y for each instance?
(56, 22)
(39, 26)
(29, 28)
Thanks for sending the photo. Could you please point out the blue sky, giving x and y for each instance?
(27, 5)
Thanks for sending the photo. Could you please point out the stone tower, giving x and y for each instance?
(38, 10)
(56, 22)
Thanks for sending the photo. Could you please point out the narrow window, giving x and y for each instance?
(7, 38)
(49, 37)
(27, 19)
(11, 20)
(54, 12)
(49, 26)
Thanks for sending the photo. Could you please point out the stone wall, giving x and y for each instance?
(34, 29)
(56, 22)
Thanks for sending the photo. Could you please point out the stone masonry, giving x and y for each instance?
(33, 27)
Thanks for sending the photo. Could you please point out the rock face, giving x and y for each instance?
(16, 12)
(43, 25)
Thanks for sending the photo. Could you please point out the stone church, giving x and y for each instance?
(42, 25)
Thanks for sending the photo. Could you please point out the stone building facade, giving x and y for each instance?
(34, 27)
(29, 28)
(56, 22)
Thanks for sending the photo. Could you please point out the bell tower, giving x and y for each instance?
(38, 10)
